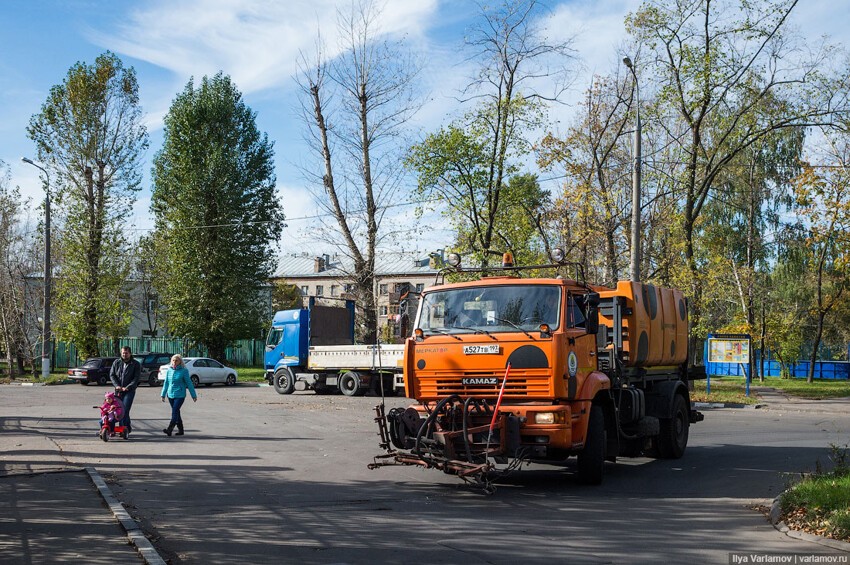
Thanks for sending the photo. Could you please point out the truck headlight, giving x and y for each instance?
(548, 417)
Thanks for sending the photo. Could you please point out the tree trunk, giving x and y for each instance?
(810, 378)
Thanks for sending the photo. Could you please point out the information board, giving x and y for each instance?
(724, 350)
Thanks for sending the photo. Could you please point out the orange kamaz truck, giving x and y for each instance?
(507, 369)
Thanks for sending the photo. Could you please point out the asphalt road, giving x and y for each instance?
(265, 478)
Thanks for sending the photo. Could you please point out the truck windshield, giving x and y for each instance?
(274, 336)
(491, 309)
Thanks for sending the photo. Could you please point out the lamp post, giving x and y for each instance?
(46, 347)
(635, 259)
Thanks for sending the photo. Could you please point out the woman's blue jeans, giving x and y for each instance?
(176, 403)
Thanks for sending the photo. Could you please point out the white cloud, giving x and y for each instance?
(255, 42)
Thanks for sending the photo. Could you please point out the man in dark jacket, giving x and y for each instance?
(125, 375)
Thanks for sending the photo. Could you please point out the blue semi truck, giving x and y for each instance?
(313, 348)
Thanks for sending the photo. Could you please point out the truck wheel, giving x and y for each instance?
(284, 381)
(152, 379)
(673, 437)
(349, 384)
(102, 380)
(591, 460)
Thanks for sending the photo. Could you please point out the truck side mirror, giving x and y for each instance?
(592, 322)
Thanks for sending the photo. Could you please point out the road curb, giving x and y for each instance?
(131, 527)
(710, 405)
(775, 517)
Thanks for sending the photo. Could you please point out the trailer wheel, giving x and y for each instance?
(284, 381)
(591, 460)
(673, 437)
(349, 384)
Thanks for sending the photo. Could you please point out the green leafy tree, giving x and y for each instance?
(285, 296)
(89, 133)
(824, 198)
(728, 74)
(454, 166)
(466, 165)
(595, 160)
(217, 216)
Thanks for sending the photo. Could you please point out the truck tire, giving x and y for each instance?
(349, 384)
(673, 436)
(284, 381)
(152, 379)
(591, 460)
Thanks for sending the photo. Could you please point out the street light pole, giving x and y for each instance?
(635, 259)
(46, 345)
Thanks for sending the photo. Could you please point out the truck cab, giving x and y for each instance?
(511, 369)
(313, 348)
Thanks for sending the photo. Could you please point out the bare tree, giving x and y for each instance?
(358, 103)
(18, 317)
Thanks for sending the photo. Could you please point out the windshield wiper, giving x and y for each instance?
(514, 326)
(441, 332)
(477, 331)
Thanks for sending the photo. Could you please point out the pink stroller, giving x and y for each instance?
(111, 413)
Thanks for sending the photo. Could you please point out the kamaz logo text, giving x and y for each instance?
(480, 381)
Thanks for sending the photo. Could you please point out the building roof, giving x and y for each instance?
(306, 265)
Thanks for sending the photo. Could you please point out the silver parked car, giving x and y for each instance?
(204, 370)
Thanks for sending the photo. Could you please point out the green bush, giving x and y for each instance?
(821, 501)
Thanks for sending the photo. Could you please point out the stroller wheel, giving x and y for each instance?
(104, 434)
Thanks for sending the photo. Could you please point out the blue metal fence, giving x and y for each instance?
(830, 370)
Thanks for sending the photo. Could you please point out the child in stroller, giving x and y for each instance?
(111, 412)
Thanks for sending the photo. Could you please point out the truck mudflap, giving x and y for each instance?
(458, 436)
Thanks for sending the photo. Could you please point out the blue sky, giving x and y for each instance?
(256, 42)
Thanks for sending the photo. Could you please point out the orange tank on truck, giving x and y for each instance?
(506, 370)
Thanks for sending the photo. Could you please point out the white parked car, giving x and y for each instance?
(204, 370)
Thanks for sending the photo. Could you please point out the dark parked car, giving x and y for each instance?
(94, 370)
(151, 363)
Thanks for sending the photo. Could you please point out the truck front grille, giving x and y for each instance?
(521, 383)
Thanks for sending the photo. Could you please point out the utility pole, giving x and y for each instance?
(46, 343)
(635, 258)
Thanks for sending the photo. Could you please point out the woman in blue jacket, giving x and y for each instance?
(176, 382)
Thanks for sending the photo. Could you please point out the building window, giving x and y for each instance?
(382, 289)
(348, 287)
(305, 290)
(334, 290)
(319, 290)
(383, 310)
(420, 287)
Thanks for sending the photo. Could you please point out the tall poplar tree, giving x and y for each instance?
(217, 216)
(90, 136)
